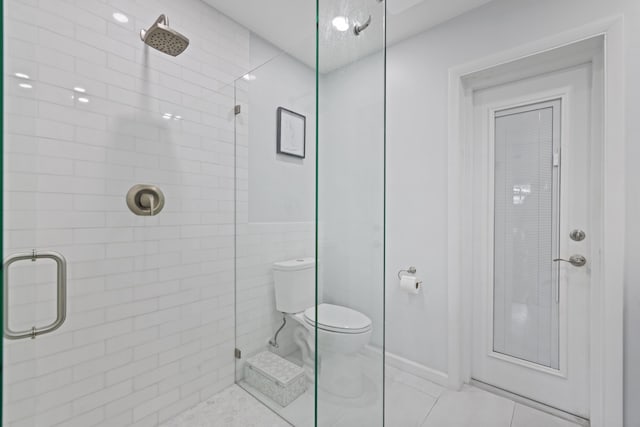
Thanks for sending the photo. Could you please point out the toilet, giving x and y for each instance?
(342, 331)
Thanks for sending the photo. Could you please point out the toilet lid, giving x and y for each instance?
(338, 319)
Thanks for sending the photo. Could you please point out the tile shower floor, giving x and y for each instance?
(411, 401)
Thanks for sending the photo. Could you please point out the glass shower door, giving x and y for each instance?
(275, 224)
(90, 112)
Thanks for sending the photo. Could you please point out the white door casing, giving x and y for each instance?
(606, 332)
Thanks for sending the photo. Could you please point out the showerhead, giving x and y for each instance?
(159, 36)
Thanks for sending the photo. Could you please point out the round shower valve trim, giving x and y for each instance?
(145, 200)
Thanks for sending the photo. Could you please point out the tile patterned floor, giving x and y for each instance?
(411, 402)
(233, 407)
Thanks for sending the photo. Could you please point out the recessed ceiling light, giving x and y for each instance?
(167, 116)
(120, 17)
(79, 89)
(249, 77)
(178, 117)
(83, 100)
(22, 75)
(25, 85)
(340, 23)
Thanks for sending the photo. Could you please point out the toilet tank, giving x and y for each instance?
(294, 282)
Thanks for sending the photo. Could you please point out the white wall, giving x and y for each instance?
(417, 156)
(417, 126)
(351, 189)
(150, 327)
(351, 173)
(281, 187)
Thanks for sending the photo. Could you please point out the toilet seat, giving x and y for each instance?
(336, 318)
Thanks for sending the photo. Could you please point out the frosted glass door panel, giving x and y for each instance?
(526, 219)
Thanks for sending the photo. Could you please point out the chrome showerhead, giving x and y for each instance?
(159, 36)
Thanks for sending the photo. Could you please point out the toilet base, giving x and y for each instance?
(341, 375)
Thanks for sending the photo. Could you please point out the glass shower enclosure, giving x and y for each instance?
(162, 191)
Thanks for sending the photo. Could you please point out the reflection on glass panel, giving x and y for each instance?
(525, 240)
(275, 231)
(349, 321)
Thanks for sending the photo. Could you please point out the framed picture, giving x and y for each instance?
(292, 130)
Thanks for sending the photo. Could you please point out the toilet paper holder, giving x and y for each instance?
(410, 270)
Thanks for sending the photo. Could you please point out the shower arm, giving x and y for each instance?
(162, 19)
(358, 28)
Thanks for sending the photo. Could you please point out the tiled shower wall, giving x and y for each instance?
(150, 325)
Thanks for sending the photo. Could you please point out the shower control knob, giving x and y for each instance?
(145, 200)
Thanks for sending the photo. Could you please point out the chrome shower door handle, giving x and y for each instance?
(575, 260)
(61, 302)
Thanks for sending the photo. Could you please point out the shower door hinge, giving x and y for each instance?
(237, 109)
(237, 353)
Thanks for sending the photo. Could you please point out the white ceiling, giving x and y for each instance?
(289, 24)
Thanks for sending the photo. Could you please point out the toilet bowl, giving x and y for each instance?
(341, 331)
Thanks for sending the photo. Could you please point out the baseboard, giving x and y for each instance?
(409, 366)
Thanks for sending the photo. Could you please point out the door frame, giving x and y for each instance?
(606, 329)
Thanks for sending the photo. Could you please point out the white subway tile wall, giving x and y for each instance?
(150, 326)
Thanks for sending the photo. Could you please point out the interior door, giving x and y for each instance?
(531, 292)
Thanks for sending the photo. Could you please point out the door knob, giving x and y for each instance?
(575, 260)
